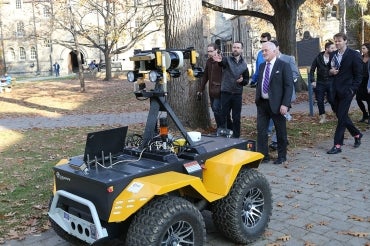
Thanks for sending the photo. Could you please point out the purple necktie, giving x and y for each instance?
(266, 80)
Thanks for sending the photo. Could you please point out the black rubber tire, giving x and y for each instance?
(232, 215)
(164, 220)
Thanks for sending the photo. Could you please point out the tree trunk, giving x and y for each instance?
(81, 76)
(285, 29)
(80, 67)
(108, 67)
(284, 24)
(183, 29)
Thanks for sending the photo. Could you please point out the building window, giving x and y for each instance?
(33, 53)
(334, 11)
(46, 11)
(47, 43)
(20, 29)
(18, 4)
(22, 54)
(137, 23)
(11, 54)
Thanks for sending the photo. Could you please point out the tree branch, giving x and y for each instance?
(244, 12)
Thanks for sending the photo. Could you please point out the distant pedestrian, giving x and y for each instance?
(56, 69)
(346, 70)
(323, 83)
(362, 92)
(93, 65)
(273, 98)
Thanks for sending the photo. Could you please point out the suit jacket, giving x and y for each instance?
(291, 61)
(280, 88)
(350, 73)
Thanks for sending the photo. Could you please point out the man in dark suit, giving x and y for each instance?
(346, 72)
(273, 96)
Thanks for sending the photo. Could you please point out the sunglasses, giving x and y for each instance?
(263, 41)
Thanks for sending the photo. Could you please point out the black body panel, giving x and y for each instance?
(94, 184)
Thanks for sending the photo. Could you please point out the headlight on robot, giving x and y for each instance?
(132, 76)
(155, 76)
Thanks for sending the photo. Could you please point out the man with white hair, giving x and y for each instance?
(273, 98)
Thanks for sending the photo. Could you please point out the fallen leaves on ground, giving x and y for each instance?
(354, 233)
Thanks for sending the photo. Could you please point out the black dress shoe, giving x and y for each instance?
(358, 141)
(280, 160)
(334, 150)
(273, 146)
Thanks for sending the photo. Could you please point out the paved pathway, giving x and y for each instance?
(109, 119)
(318, 199)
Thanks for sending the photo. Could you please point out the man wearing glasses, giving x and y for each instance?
(235, 75)
(264, 38)
(213, 75)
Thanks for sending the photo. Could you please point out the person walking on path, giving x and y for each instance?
(346, 71)
(362, 92)
(235, 75)
(56, 69)
(323, 83)
(266, 36)
(273, 98)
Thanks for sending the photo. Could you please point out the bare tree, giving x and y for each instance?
(111, 26)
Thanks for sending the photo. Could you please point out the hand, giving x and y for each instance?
(240, 79)
(368, 90)
(313, 84)
(333, 71)
(283, 109)
(217, 57)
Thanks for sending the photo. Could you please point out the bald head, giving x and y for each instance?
(268, 51)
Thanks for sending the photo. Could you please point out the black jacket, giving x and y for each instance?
(350, 72)
(281, 85)
(322, 70)
(232, 70)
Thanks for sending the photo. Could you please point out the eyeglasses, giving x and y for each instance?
(263, 41)
(210, 51)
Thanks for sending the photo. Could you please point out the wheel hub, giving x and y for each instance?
(252, 207)
(173, 240)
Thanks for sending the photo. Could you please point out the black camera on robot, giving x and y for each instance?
(159, 66)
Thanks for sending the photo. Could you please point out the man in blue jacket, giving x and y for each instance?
(346, 71)
(259, 60)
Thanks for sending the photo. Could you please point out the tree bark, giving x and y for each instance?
(183, 29)
(108, 66)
